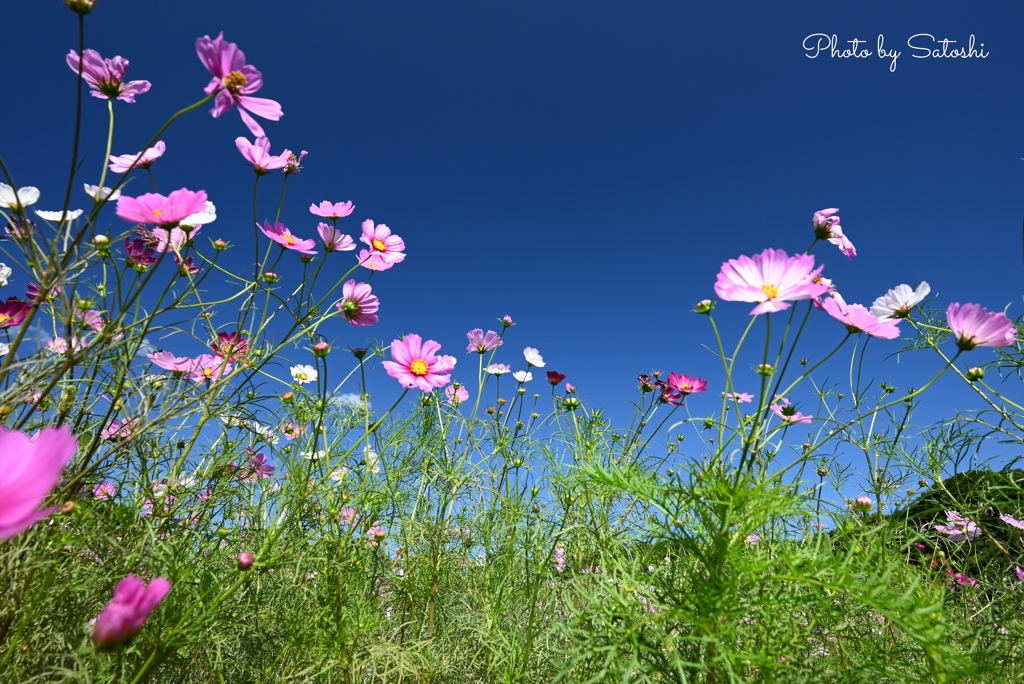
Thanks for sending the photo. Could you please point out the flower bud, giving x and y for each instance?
(82, 7)
(822, 472)
(321, 349)
(287, 397)
(704, 306)
(220, 245)
(359, 352)
(270, 277)
(306, 258)
(764, 369)
(67, 507)
(506, 321)
(863, 503)
(101, 242)
(245, 560)
(975, 374)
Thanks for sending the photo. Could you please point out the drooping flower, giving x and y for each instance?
(554, 377)
(294, 164)
(1012, 521)
(533, 357)
(358, 305)
(280, 234)
(208, 367)
(858, 319)
(138, 255)
(230, 346)
(959, 528)
(165, 212)
(128, 611)
(788, 413)
(738, 397)
(826, 227)
(456, 395)
(187, 267)
(258, 154)
(303, 374)
(13, 312)
(99, 194)
(385, 249)
(234, 81)
(30, 466)
(24, 197)
(771, 278)
(522, 377)
(332, 211)
(105, 76)
(498, 369)
(482, 343)
(897, 302)
(140, 160)
(685, 385)
(416, 363)
(59, 216)
(334, 239)
(974, 326)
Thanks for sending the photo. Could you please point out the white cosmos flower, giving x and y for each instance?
(897, 302)
(533, 357)
(304, 374)
(372, 459)
(339, 474)
(104, 194)
(5, 273)
(314, 455)
(59, 215)
(522, 376)
(5, 349)
(498, 369)
(207, 215)
(268, 434)
(17, 200)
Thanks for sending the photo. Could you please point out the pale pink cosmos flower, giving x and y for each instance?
(294, 164)
(974, 326)
(456, 395)
(30, 467)
(92, 319)
(1020, 572)
(348, 516)
(826, 227)
(482, 343)
(788, 413)
(104, 491)
(332, 211)
(771, 278)
(334, 239)
(416, 364)
(234, 81)
(753, 540)
(208, 367)
(140, 160)
(959, 528)
(128, 611)
(498, 369)
(119, 429)
(258, 154)
(1012, 521)
(168, 361)
(533, 357)
(282, 236)
(59, 345)
(739, 397)
(165, 212)
(358, 305)
(104, 76)
(559, 559)
(385, 249)
(897, 302)
(858, 319)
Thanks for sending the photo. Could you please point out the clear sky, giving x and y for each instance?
(585, 167)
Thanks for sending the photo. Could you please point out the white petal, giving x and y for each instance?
(202, 218)
(25, 196)
(58, 215)
(94, 192)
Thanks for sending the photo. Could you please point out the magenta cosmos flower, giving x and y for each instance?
(358, 305)
(13, 312)
(482, 343)
(858, 319)
(165, 212)
(234, 81)
(30, 467)
(230, 346)
(134, 601)
(826, 227)
(788, 413)
(385, 249)
(258, 154)
(975, 326)
(771, 278)
(416, 363)
(334, 239)
(139, 160)
(104, 76)
(332, 211)
(280, 234)
(684, 384)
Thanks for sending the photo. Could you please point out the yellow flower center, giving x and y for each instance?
(234, 82)
(208, 372)
(379, 245)
(419, 367)
(289, 239)
(4, 318)
(771, 290)
(158, 212)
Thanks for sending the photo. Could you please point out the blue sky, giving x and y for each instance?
(585, 167)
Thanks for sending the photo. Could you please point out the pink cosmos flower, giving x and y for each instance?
(456, 396)
(684, 384)
(169, 361)
(959, 528)
(162, 211)
(282, 236)
(826, 227)
(104, 491)
(119, 429)
(788, 413)
(1012, 521)
(481, 343)
(771, 278)
(974, 326)
(348, 516)
(91, 319)
(741, 398)
(234, 81)
(416, 363)
(334, 239)
(59, 345)
(753, 540)
(208, 367)
(332, 211)
(1020, 572)
(559, 559)
(140, 160)
(260, 469)
(30, 467)
(358, 305)
(104, 76)
(258, 154)
(131, 606)
(13, 312)
(294, 164)
(385, 249)
(230, 346)
(857, 318)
